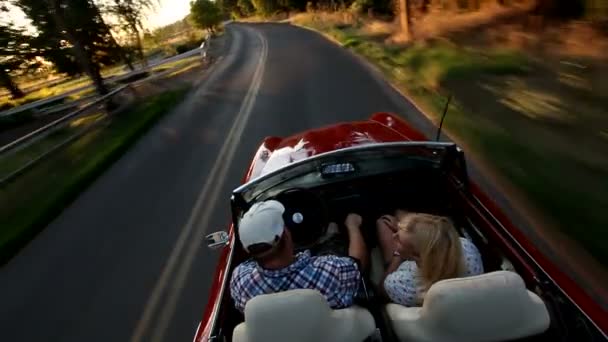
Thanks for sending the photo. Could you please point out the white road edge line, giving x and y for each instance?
(162, 283)
(224, 161)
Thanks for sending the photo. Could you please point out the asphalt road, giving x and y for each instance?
(125, 261)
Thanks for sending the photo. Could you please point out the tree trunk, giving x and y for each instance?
(424, 6)
(140, 48)
(404, 18)
(81, 54)
(121, 52)
(119, 49)
(473, 5)
(6, 81)
(125, 58)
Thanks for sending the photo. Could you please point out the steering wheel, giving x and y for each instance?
(305, 216)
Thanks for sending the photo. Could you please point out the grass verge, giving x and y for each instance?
(532, 155)
(178, 63)
(43, 93)
(29, 202)
(10, 162)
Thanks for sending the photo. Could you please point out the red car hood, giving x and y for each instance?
(275, 152)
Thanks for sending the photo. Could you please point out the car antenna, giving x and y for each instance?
(445, 111)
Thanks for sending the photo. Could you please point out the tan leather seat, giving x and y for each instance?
(490, 307)
(299, 316)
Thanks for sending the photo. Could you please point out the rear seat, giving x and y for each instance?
(494, 306)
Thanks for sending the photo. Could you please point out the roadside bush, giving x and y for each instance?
(135, 77)
(6, 106)
(245, 7)
(182, 48)
(17, 119)
(377, 6)
(310, 7)
(361, 6)
(264, 7)
(205, 14)
(187, 46)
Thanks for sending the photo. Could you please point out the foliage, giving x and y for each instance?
(361, 6)
(17, 119)
(245, 8)
(265, 7)
(205, 14)
(130, 14)
(227, 7)
(164, 33)
(181, 48)
(15, 53)
(73, 35)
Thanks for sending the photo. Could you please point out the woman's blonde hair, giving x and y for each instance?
(439, 246)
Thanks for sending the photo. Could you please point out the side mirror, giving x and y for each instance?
(218, 239)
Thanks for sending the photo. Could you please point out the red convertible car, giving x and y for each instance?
(374, 167)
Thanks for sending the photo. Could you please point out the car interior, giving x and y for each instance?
(496, 306)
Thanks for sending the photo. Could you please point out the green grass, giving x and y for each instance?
(432, 64)
(573, 193)
(40, 94)
(73, 84)
(29, 202)
(10, 162)
(17, 119)
(180, 63)
(57, 89)
(46, 92)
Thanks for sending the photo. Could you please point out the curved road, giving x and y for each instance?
(125, 261)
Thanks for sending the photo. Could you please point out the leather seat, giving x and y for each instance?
(299, 316)
(490, 307)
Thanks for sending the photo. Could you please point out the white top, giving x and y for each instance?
(403, 285)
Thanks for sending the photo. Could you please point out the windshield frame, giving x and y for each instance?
(238, 197)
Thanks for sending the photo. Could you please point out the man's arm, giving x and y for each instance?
(356, 245)
(240, 281)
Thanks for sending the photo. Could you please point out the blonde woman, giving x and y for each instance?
(420, 250)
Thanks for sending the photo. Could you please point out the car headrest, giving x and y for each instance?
(490, 307)
(301, 315)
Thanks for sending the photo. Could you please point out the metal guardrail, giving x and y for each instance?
(23, 168)
(39, 103)
(47, 129)
(44, 131)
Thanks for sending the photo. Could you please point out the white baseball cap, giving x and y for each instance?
(262, 223)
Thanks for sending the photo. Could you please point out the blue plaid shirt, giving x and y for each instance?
(337, 278)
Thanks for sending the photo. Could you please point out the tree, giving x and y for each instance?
(130, 14)
(265, 7)
(120, 51)
(71, 33)
(245, 8)
(14, 50)
(205, 14)
(227, 7)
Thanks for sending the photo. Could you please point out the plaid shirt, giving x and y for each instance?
(337, 278)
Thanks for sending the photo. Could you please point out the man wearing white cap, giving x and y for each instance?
(275, 267)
